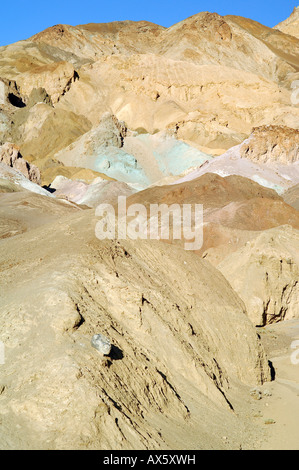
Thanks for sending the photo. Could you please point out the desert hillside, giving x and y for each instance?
(192, 343)
(291, 24)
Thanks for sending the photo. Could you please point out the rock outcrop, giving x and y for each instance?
(38, 95)
(130, 157)
(56, 78)
(291, 196)
(272, 144)
(10, 93)
(110, 132)
(10, 155)
(265, 274)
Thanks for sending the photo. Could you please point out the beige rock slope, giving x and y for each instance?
(245, 237)
(265, 273)
(183, 349)
(269, 157)
(215, 107)
(235, 209)
(100, 191)
(291, 24)
(11, 177)
(291, 196)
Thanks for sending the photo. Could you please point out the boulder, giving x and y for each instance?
(101, 343)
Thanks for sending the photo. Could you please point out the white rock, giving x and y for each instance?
(101, 343)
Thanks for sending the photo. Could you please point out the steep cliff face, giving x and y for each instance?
(265, 274)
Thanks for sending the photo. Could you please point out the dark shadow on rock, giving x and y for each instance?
(272, 370)
(48, 188)
(16, 101)
(116, 354)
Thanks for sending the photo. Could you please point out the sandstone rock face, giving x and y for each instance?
(10, 155)
(4, 126)
(188, 94)
(201, 112)
(56, 79)
(41, 130)
(110, 132)
(265, 274)
(272, 143)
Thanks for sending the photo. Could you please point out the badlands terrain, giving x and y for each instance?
(202, 342)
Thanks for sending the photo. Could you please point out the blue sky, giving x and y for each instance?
(20, 19)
